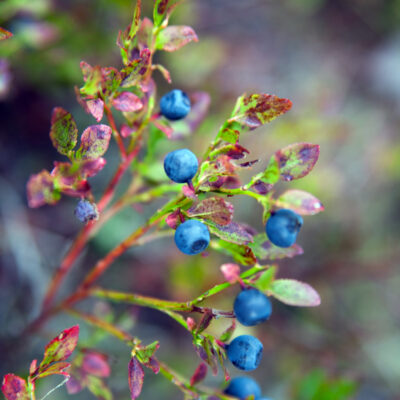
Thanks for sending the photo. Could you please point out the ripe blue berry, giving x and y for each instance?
(86, 211)
(242, 387)
(252, 307)
(181, 165)
(175, 105)
(282, 227)
(245, 352)
(192, 237)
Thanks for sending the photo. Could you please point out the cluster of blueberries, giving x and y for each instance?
(251, 306)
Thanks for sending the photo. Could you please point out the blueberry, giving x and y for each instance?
(245, 352)
(282, 227)
(86, 211)
(181, 165)
(175, 105)
(242, 387)
(192, 237)
(252, 307)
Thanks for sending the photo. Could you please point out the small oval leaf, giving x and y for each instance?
(199, 374)
(96, 108)
(295, 293)
(94, 141)
(172, 38)
(14, 388)
(40, 190)
(215, 209)
(301, 202)
(135, 377)
(265, 250)
(233, 232)
(127, 102)
(296, 160)
(63, 131)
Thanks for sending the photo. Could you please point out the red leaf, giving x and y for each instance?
(189, 192)
(231, 272)
(61, 347)
(14, 388)
(199, 374)
(4, 34)
(135, 377)
(215, 209)
(95, 363)
(153, 364)
(96, 108)
(296, 160)
(60, 368)
(127, 102)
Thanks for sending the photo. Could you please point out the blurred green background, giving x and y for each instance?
(339, 62)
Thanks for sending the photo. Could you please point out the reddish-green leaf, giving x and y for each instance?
(235, 151)
(233, 232)
(227, 334)
(15, 388)
(136, 69)
(199, 374)
(61, 347)
(59, 368)
(41, 190)
(94, 141)
(173, 38)
(242, 254)
(63, 131)
(95, 363)
(4, 34)
(215, 209)
(299, 201)
(135, 377)
(162, 10)
(231, 272)
(144, 353)
(127, 102)
(93, 79)
(295, 293)
(296, 160)
(265, 250)
(96, 108)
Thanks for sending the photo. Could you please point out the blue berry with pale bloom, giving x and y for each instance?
(245, 352)
(282, 227)
(243, 387)
(180, 165)
(86, 211)
(175, 105)
(192, 237)
(252, 307)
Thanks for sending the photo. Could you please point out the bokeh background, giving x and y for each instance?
(339, 62)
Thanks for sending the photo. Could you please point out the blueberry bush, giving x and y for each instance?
(199, 184)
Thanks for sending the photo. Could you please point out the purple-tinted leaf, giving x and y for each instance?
(199, 374)
(111, 80)
(68, 179)
(90, 168)
(231, 272)
(265, 250)
(189, 192)
(172, 38)
(63, 131)
(205, 321)
(95, 363)
(299, 201)
(94, 141)
(4, 34)
(60, 368)
(215, 209)
(234, 151)
(248, 164)
(262, 188)
(127, 102)
(73, 385)
(153, 364)
(14, 388)
(296, 160)
(227, 334)
(242, 254)
(86, 69)
(162, 10)
(41, 191)
(96, 108)
(233, 232)
(61, 347)
(135, 376)
(295, 293)
(126, 130)
(134, 72)
(98, 387)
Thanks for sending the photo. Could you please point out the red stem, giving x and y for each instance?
(117, 135)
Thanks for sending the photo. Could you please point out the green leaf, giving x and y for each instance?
(135, 21)
(162, 11)
(265, 250)
(295, 293)
(242, 254)
(146, 352)
(93, 80)
(265, 280)
(63, 131)
(227, 334)
(296, 160)
(98, 387)
(4, 34)
(233, 232)
(173, 38)
(41, 190)
(250, 112)
(61, 347)
(215, 209)
(94, 141)
(133, 73)
(301, 202)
